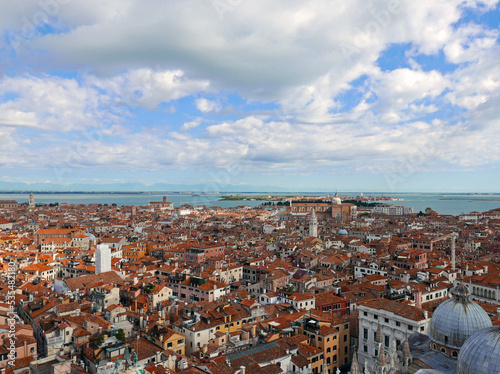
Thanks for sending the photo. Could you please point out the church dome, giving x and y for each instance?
(457, 319)
(342, 232)
(480, 354)
(336, 199)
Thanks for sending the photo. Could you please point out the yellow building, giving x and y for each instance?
(331, 334)
(165, 338)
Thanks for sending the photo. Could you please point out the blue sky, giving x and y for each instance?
(311, 96)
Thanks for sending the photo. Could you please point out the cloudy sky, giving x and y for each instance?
(394, 95)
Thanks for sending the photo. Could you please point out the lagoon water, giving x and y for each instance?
(442, 203)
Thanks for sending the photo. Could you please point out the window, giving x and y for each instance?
(346, 349)
(365, 333)
(365, 314)
(421, 328)
(365, 348)
(398, 323)
(375, 316)
(398, 343)
(386, 320)
(410, 327)
(345, 338)
(386, 341)
(328, 350)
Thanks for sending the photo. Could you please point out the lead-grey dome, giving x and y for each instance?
(429, 371)
(457, 319)
(480, 354)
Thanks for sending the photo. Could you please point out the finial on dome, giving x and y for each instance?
(461, 292)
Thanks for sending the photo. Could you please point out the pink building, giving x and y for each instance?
(25, 346)
(199, 254)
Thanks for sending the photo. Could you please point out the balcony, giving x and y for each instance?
(55, 340)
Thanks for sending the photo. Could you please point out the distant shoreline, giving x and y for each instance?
(105, 193)
(222, 193)
(465, 199)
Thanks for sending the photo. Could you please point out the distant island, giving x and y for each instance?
(361, 201)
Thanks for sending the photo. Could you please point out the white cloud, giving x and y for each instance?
(191, 125)
(469, 43)
(303, 57)
(50, 103)
(398, 89)
(149, 88)
(207, 106)
(264, 51)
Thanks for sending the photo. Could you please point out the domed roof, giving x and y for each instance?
(457, 318)
(336, 199)
(429, 371)
(480, 354)
(342, 232)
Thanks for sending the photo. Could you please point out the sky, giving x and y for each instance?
(221, 95)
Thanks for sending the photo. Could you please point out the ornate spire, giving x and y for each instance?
(407, 358)
(406, 349)
(325, 369)
(381, 358)
(354, 364)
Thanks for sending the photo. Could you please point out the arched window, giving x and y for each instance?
(443, 350)
(454, 354)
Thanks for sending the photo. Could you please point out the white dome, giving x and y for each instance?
(480, 354)
(342, 232)
(457, 319)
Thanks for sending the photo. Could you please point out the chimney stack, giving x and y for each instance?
(418, 299)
